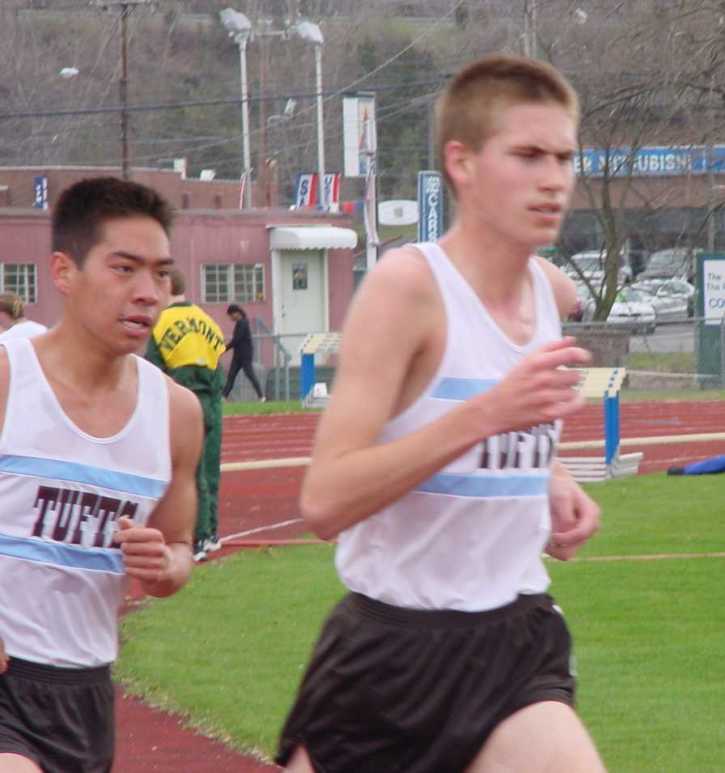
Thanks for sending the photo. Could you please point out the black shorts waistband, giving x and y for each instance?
(42, 672)
(443, 618)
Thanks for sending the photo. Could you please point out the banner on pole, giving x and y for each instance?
(308, 190)
(332, 191)
(430, 206)
(360, 141)
(40, 192)
(306, 195)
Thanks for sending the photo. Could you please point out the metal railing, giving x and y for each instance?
(270, 348)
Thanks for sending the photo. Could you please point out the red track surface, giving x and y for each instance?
(150, 740)
(655, 419)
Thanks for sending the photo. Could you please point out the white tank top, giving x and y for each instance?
(470, 538)
(62, 492)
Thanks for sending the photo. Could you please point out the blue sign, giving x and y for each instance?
(651, 161)
(40, 192)
(430, 206)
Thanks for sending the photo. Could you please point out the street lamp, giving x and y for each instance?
(240, 29)
(311, 33)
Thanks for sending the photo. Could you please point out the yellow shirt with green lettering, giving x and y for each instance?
(186, 343)
(187, 335)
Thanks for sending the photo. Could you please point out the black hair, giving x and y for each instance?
(178, 282)
(83, 209)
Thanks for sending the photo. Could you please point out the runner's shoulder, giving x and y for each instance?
(405, 272)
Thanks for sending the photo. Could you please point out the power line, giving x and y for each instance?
(237, 101)
(205, 102)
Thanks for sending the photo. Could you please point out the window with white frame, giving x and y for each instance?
(232, 282)
(21, 279)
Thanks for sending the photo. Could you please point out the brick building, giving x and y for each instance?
(292, 270)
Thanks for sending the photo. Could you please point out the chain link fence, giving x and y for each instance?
(677, 356)
(277, 367)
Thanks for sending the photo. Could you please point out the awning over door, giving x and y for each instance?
(312, 237)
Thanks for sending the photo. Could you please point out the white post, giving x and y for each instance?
(246, 154)
(371, 213)
(320, 130)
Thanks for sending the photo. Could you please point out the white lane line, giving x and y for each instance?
(652, 557)
(265, 464)
(302, 461)
(258, 529)
(654, 440)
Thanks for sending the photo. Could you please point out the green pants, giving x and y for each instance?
(208, 472)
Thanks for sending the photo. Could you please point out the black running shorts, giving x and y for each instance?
(416, 691)
(61, 718)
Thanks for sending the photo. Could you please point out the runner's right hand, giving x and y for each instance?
(540, 389)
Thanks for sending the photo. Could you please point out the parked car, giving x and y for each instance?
(673, 299)
(591, 267)
(632, 308)
(674, 263)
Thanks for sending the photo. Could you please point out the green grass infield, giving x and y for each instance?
(228, 651)
(263, 409)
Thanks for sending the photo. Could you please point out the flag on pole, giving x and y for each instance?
(306, 190)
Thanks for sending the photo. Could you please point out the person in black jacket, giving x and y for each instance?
(243, 350)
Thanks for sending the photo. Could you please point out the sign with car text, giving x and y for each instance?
(430, 206)
(359, 134)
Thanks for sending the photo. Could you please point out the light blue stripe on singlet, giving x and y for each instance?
(83, 473)
(461, 388)
(483, 486)
(60, 554)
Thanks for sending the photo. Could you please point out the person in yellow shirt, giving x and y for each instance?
(186, 343)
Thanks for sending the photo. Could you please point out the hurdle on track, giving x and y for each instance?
(313, 393)
(604, 384)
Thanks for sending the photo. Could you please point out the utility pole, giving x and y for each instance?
(125, 7)
(123, 92)
(710, 160)
(262, 148)
(531, 47)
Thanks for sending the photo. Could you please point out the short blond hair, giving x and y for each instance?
(469, 106)
(12, 305)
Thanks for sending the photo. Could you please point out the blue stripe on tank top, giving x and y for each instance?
(482, 486)
(461, 388)
(59, 554)
(83, 473)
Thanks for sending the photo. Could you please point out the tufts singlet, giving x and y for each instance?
(469, 538)
(62, 493)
